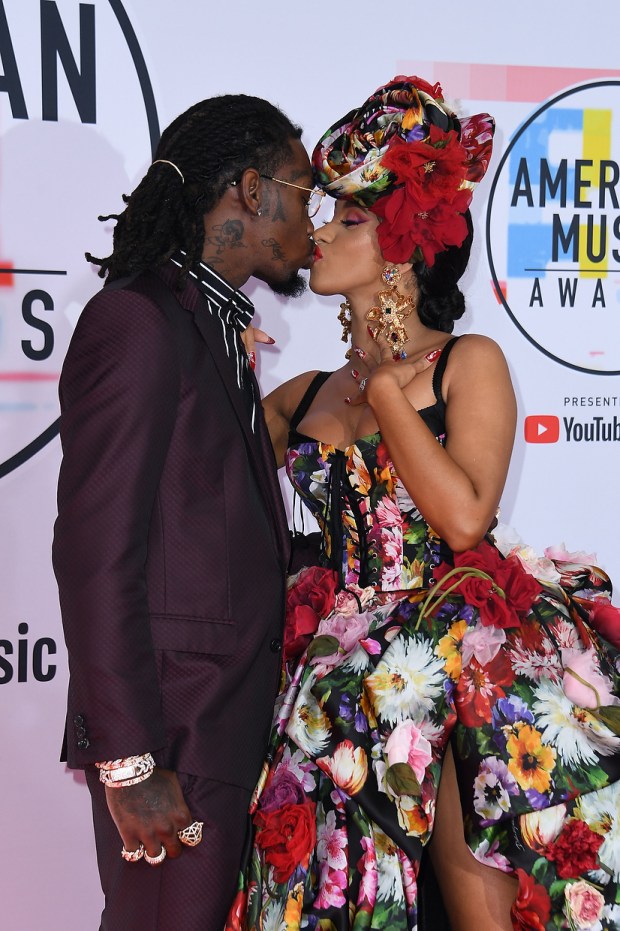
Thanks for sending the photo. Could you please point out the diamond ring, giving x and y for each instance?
(154, 861)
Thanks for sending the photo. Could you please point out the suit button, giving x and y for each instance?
(83, 744)
(276, 645)
(80, 732)
(78, 720)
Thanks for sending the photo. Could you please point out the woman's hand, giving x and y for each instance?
(387, 368)
(456, 486)
(250, 336)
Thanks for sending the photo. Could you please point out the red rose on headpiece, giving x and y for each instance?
(406, 229)
(432, 169)
(427, 213)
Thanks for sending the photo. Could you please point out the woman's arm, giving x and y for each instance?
(456, 488)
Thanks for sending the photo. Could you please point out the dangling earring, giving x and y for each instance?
(345, 320)
(387, 319)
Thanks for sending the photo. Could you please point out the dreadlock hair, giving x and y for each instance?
(441, 301)
(211, 144)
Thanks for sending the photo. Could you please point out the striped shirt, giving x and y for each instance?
(235, 312)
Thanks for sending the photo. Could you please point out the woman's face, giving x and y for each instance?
(348, 260)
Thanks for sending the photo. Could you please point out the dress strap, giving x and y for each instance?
(440, 369)
(308, 397)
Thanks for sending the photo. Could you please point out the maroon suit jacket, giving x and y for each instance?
(171, 544)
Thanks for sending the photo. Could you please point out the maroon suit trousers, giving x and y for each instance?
(191, 893)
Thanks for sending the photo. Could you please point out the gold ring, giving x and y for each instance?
(192, 835)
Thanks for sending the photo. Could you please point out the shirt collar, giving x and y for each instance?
(219, 292)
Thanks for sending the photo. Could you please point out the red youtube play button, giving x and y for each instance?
(541, 428)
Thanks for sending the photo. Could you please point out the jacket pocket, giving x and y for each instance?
(193, 634)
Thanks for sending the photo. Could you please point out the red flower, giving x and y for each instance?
(287, 835)
(520, 587)
(479, 687)
(236, 915)
(501, 599)
(605, 618)
(383, 457)
(408, 233)
(311, 597)
(425, 215)
(432, 169)
(575, 850)
(532, 907)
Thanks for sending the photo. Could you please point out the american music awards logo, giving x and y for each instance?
(553, 228)
(77, 124)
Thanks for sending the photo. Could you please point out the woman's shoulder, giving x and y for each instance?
(285, 399)
(477, 360)
(474, 349)
(469, 343)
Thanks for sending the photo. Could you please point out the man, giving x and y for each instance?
(171, 543)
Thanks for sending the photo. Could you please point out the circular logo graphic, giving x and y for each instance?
(553, 228)
(77, 123)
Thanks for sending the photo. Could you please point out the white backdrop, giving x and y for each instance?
(83, 89)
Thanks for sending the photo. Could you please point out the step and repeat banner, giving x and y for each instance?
(85, 88)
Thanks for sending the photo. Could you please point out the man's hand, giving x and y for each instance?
(150, 813)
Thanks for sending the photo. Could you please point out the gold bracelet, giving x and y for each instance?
(126, 772)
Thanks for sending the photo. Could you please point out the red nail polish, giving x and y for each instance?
(360, 352)
(347, 400)
(354, 373)
(433, 355)
(270, 340)
(371, 331)
(252, 359)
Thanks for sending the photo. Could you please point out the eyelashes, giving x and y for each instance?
(345, 221)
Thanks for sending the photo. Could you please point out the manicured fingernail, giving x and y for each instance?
(371, 331)
(354, 373)
(360, 352)
(270, 340)
(252, 359)
(433, 355)
(347, 400)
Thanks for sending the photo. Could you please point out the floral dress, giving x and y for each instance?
(395, 647)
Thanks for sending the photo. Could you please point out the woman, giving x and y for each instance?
(417, 633)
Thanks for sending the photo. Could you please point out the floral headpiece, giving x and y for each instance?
(404, 155)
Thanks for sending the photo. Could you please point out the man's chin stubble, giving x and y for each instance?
(292, 287)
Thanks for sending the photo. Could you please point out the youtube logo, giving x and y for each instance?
(541, 428)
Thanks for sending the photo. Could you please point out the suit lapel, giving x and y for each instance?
(271, 476)
(258, 443)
